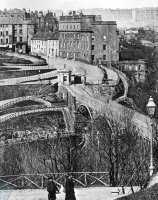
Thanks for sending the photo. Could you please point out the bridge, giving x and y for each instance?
(78, 98)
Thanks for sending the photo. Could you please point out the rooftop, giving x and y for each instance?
(46, 36)
(11, 20)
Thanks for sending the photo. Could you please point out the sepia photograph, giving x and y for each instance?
(78, 100)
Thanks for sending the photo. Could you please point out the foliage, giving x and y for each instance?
(134, 50)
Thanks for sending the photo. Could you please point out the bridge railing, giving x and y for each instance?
(113, 110)
(39, 181)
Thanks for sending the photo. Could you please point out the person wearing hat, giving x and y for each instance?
(69, 188)
(52, 189)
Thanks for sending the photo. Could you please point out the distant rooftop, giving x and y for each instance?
(46, 36)
(11, 20)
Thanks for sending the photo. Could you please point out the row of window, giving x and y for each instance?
(4, 33)
(69, 27)
(74, 45)
(104, 47)
(93, 57)
(73, 55)
(16, 39)
(78, 36)
(6, 25)
(20, 31)
(74, 36)
(3, 25)
(52, 42)
(78, 55)
(38, 42)
(5, 41)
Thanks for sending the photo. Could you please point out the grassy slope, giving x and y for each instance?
(147, 194)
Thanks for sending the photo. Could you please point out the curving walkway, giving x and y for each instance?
(9, 102)
(64, 111)
(20, 80)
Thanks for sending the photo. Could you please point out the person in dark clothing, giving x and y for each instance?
(52, 189)
(69, 188)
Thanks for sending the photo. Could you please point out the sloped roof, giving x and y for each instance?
(54, 36)
(46, 36)
(17, 20)
(5, 20)
(11, 20)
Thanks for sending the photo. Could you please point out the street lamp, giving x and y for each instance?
(151, 110)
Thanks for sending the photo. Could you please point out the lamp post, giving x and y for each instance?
(151, 110)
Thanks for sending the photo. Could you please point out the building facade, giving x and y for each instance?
(45, 44)
(87, 38)
(53, 45)
(105, 41)
(15, 33)
(137, 69)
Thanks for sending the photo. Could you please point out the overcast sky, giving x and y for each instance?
(75, 4)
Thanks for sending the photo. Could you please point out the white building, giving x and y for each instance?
(53, 45)
(45, 44)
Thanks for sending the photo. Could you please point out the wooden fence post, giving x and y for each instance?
(42, 181)
(85, 180)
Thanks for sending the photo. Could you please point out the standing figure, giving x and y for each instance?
(69, 188)
(52, 189)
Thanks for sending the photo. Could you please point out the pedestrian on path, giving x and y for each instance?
(52, 189)
(69, 188)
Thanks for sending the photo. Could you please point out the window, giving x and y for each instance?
(87, 37)
(70, 26)
(20, 25)
(93, 37)
(15, 39)
(1, 33)
(77, 26)
(63, 26)
(104, 57)
(78, 36)
(6, 25)
(139, 67)
(92, 47)
(65, 78)
(92, 57)
(15, 31)
(20, 39)
(67, 27)
(70, 43)
(74, 35)
(6, 32)
(104, 47)
(6, 40)
(74, 26)
(1, 40)
(104, 37)
(20, 31)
